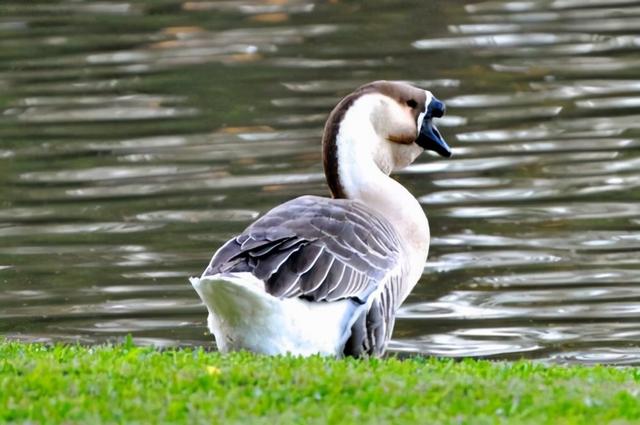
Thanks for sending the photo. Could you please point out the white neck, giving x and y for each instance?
(364, 161)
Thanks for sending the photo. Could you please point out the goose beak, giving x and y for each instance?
(429, 137)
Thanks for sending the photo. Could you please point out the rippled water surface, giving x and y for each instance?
(137, 136)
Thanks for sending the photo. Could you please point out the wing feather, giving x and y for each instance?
(311, 280)
(323, 249)
(269, 264)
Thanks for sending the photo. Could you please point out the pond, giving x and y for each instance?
(137, 136)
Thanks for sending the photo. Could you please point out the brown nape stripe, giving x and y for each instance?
(330, 144)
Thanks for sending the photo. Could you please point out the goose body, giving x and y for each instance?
(326, 275)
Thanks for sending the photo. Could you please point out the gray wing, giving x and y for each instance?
(323, 249)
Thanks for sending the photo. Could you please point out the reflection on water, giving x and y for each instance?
(136, 137)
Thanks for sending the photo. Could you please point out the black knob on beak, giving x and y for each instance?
(437, 108)
(429, 137)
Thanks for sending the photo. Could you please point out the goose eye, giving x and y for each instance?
(411, 103)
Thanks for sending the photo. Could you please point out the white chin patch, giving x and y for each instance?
(426, 107)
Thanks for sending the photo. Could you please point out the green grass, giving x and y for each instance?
(128, 384)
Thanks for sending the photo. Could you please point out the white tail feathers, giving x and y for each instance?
(243, 316)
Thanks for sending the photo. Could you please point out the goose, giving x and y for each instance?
(318, 275)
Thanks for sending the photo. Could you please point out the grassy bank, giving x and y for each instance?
(124, 383)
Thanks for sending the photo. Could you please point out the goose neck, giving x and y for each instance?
(361, 162)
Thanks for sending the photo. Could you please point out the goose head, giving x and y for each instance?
(388, 123)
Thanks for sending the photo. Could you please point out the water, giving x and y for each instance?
(137, 136)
